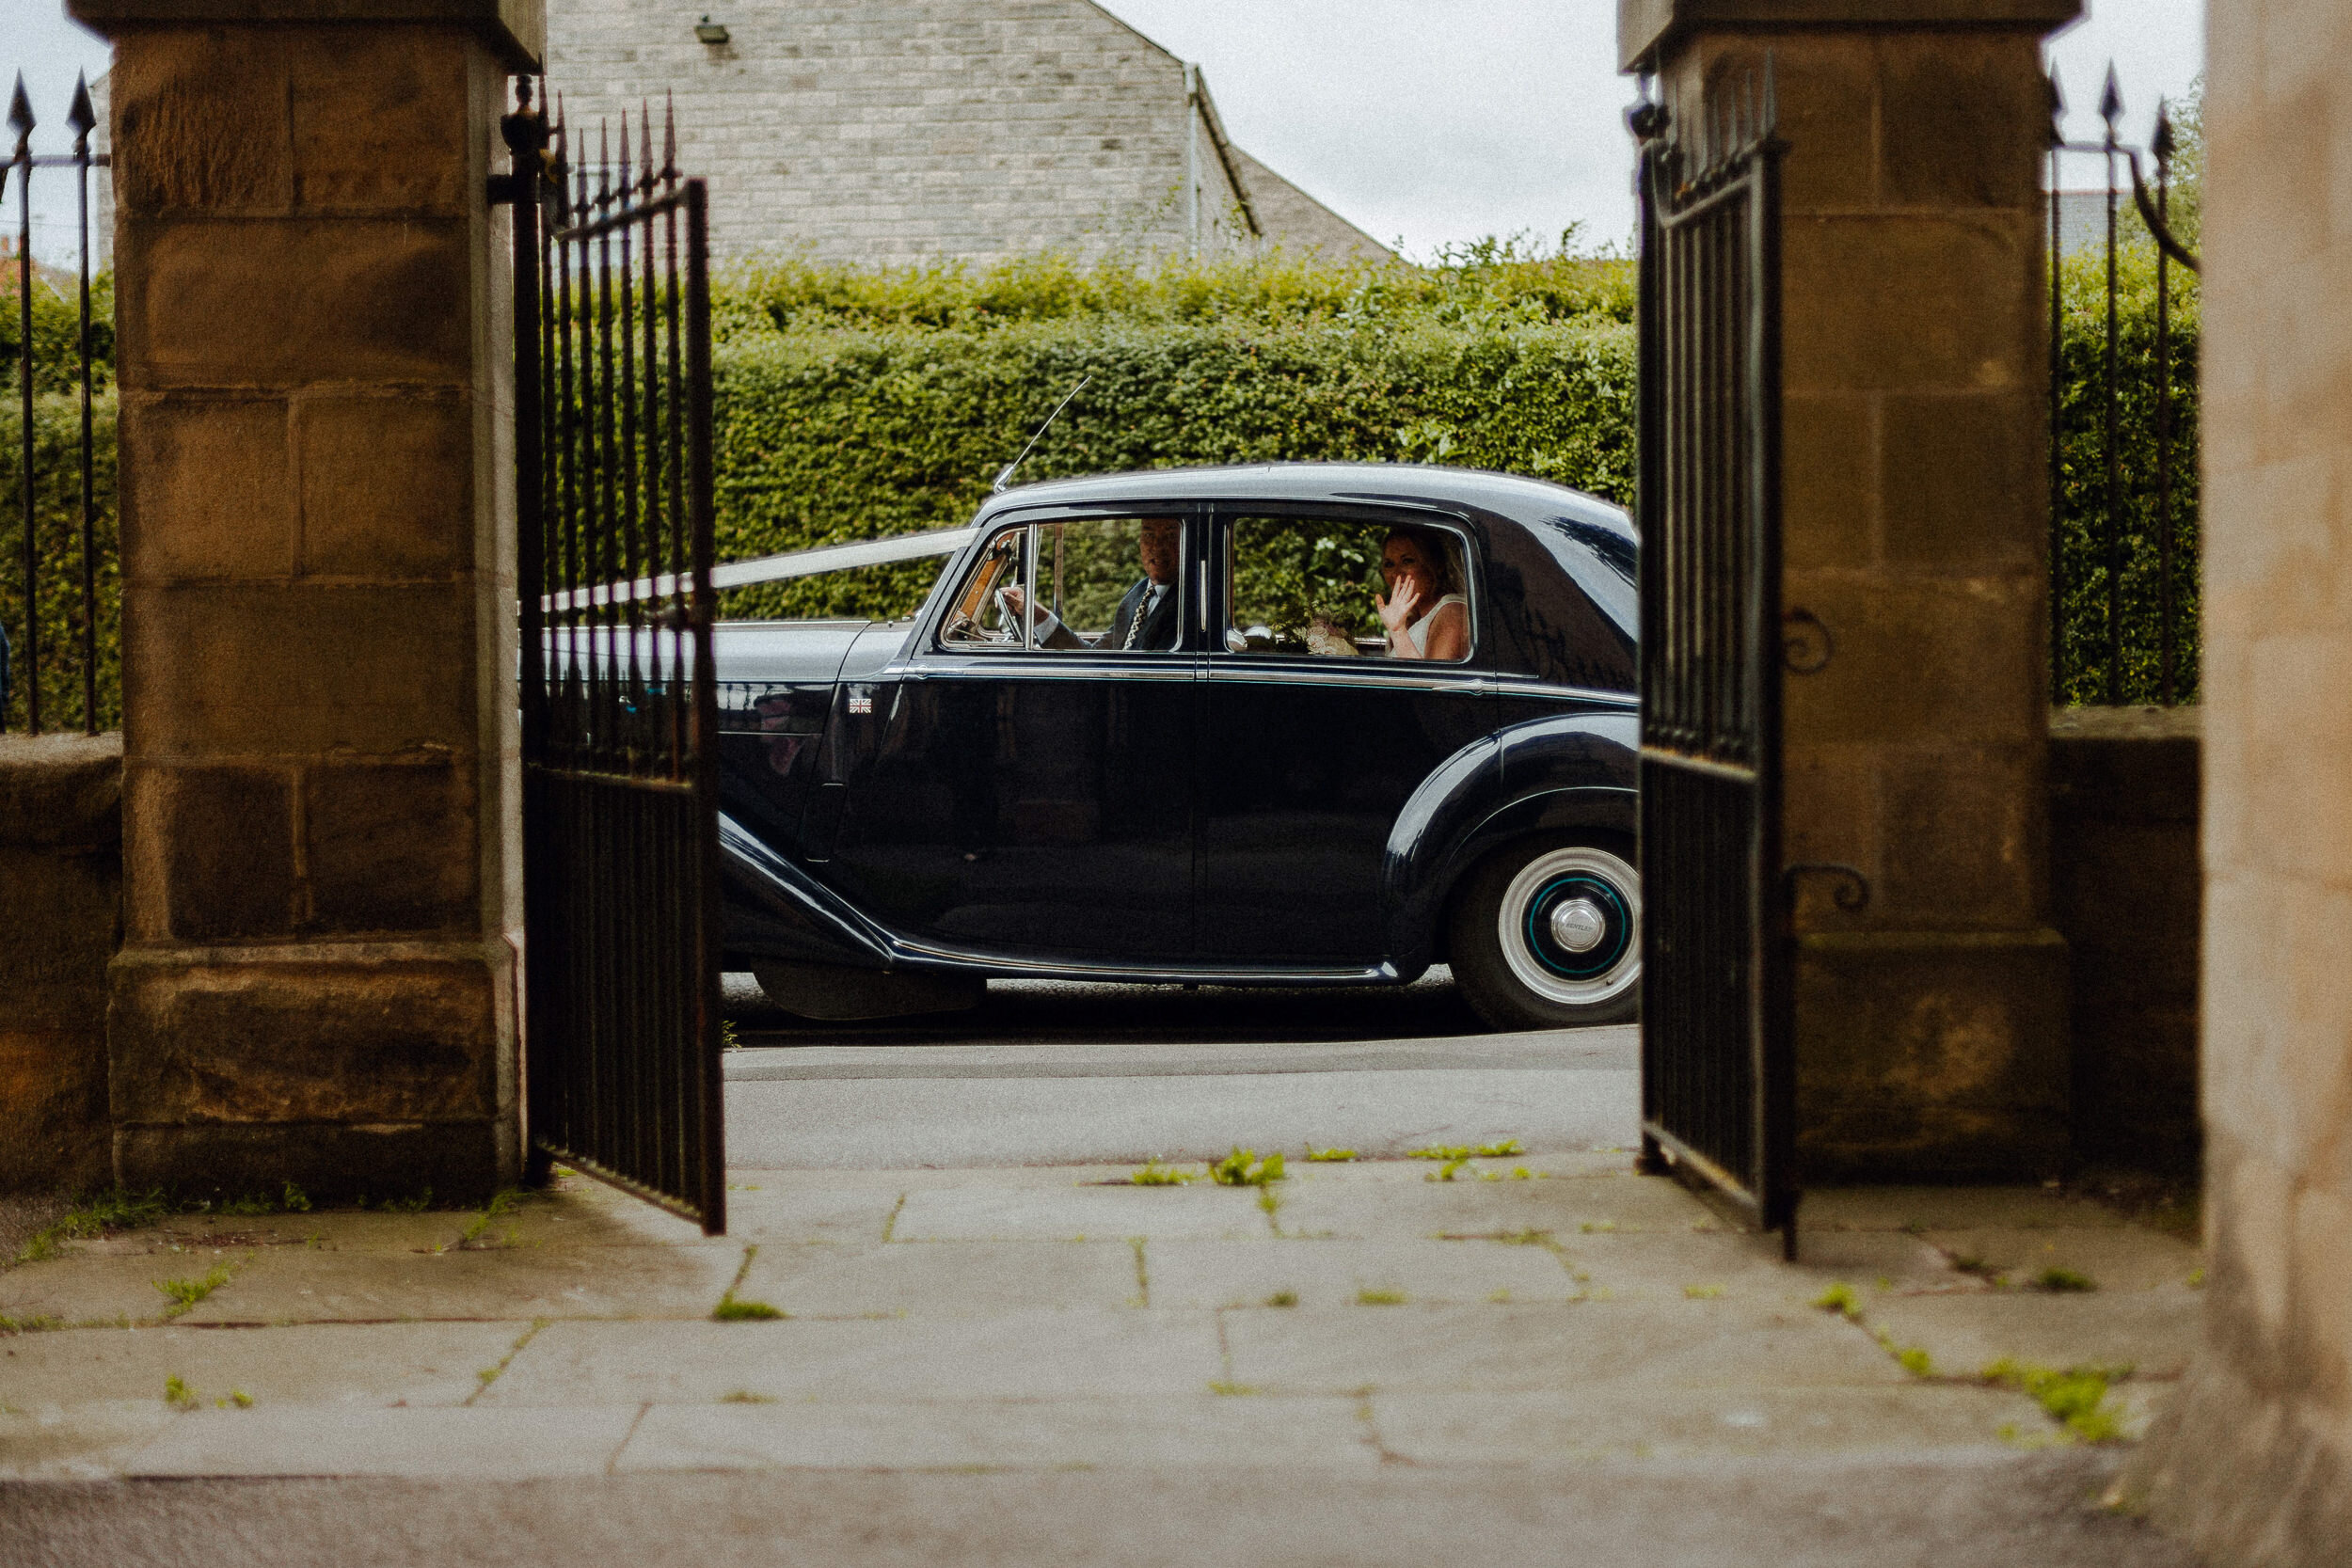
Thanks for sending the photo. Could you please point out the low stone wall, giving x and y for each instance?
(61, 922)
(2128, 891)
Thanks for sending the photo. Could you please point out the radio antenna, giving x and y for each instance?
(1003, 475)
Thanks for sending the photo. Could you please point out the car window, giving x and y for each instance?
(1329, 588)
(1089, 584)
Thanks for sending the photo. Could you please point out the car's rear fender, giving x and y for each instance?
(1570, 772)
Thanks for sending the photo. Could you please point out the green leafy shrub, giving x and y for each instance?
(858, 402)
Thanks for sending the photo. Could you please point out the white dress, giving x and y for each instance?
(1419, 630)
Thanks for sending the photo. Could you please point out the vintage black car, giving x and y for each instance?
(1152, 726)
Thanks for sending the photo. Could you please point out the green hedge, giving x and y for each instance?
(58, 535)
(857, 404)
(2083, 479)
(853, 403)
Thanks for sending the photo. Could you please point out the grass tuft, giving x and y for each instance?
(2076, 1398)
(1380, 1298)
(1840, 1298)
(498, 1209)
(1242, 1168)
(186, 1294)
(1328, 1156)
(178, 1395)
(1153, 1174)
(734, 1309)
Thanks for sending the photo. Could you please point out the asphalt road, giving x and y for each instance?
(1046, 1074)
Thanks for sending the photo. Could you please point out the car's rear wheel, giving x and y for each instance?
(1546, 934)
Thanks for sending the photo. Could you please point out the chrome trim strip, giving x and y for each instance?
(1517, 685)
(1110, 969)
(1468, 682)
(1026, 664)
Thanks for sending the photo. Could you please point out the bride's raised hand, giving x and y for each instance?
(1397, 610)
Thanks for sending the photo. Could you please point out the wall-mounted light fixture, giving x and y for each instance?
(710, 31)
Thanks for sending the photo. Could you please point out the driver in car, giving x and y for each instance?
(1146, 618)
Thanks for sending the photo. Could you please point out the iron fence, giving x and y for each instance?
(60, 582)
(2122, 456)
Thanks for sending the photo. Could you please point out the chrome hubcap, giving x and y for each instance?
(1578, 924)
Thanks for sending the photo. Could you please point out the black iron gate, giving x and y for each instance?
(619, 711)
(1717, 1077)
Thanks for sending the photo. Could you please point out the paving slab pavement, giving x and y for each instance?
(1522, 1337)
(1946, 1507)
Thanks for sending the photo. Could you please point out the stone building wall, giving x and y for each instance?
(902, 129)
(2254, 1461)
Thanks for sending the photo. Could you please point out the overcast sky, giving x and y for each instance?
(1431, 121)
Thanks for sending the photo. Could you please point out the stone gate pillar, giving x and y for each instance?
(321, 886)
(1931, 1026)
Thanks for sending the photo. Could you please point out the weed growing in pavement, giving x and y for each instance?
(488, 1375)
(178, 1395)
(1525, 1237)
(744, 1396)
(1501, 1298)
(186, 1294)
(1915, 1361)
(1702, 1293)
(238, 1397)
(1599, 1227)
(1268, 1201)
(291, 1199)
(1242, 1168)
(1321, 1156)
(37, 1324)
(1840, 1298)
(1153, 1174)
(1445, 1172)
(1968, 1262)
(2197, 1278)
(890, 1221)
(1282, 1298)
(2064, 1279)
(1218, 1386)
(96, 1215)
(2076, 1398)
(1379, 1298)
(735, 1309)
(416, 1205)
(498, 1209)
(1499, 1149)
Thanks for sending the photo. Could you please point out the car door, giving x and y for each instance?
(1017, 785)
(1311, 736)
